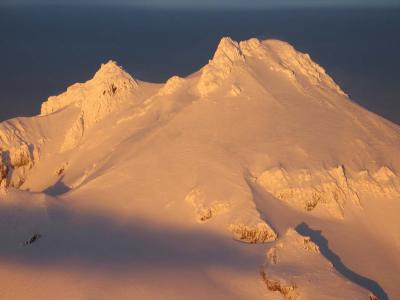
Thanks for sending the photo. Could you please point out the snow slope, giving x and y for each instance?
(122, 189)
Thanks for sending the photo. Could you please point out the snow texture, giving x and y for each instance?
(180, 190)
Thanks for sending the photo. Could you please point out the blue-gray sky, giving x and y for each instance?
(216, 3)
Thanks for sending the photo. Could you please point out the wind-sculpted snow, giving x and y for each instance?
(298, 64)
(227, 56)
(210, 205)
(185, 177)
(203, 211)
(109, 87)
(206, 210)
(332, 188)
(276, 55)
(306, 189)
(172, 85)
(108, 90)
(295, 268)
(17, 154)
(15, 162)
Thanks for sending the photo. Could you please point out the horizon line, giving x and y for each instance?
(208, 6)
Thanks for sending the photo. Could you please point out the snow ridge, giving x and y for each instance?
(218, 69)
(108, 90)
(276, 55)
(300, 65)
(170, 180)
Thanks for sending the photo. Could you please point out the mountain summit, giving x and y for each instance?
(254, 177)
(272, 55)
(107, 91)
(110, 81)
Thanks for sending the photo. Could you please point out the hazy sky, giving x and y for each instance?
(215, 3)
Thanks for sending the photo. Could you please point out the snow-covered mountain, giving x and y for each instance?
(254, 178)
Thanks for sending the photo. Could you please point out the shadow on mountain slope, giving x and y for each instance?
(57, 189)
(317, 237)
(98, 241)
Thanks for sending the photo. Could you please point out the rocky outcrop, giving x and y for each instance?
(3, 167)
(15, 162)
(253, 234)
(383, 182)
(286, 289)
(307, 189)
(331, 188)
(19, 151)
(205, 211)
(34, 238)
(250, 230)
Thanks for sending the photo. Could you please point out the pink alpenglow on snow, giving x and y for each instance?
(254, 178)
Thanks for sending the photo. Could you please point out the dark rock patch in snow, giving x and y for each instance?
(34, 238)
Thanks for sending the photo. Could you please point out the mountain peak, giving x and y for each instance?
(227, 55)
(109, 81)
(109, 67)
(274, 55)
(112, 71)
(253, 144)
(96, 98)
(228, 49)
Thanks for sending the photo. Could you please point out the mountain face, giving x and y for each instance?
(202, 187)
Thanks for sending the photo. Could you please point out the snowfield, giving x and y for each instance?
(254, 178)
